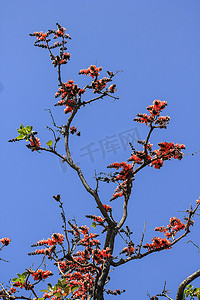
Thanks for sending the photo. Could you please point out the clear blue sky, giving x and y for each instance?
(157, 44)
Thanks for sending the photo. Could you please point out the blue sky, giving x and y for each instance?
(156, 44)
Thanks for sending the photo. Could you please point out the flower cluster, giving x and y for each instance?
(158, 243)
(68, 93)
(99, 85)
(73, 129)
(156, 108)
(43, 39)
(115, 292)
(22, 285)
(62, 59)
(79, 269)
(35, 142)
(169, 150)
(154, 116)
(56, 239)
(156, 158)
(5, 241)
(128, 250)
(13, 290)
(96, 218)
(175, 225)
(40, 274)
(40, 35)
(126, 175)
(107, 207)
(112, 88)
(92, 71)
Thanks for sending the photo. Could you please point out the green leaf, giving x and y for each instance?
(57, 294)
(21, 137)
(63, 280)
(94, 225)
(29, 128)
(40, 298)
(59, 283)
(21, 126)
(44, 291)
(23, 275)
(50, 287)
(49, 143)
(74, 288)
(15, 279)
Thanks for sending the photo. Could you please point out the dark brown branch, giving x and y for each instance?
(79, 172)
(122, 261)
(182, 286)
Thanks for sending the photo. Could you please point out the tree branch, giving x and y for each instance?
(188, 280)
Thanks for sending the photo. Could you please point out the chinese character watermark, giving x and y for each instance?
(114, 144)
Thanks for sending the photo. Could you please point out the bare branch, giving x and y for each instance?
(182, 286)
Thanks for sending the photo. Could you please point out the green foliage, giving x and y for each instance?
(94, 225)
(60, 285)
(21, 277)
(24, 132)
(191, 293)
(49, 143)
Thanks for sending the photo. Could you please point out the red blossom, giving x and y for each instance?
(5, 241)
(128, 250)
(107, 207)
(92, 71)
(35, 142)
(158, 243)
(40, 274)
(13, 290)
(73, 129)
(112, 88)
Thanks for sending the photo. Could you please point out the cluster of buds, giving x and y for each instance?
(27, 286)
(62, 59)
(35, 143)
(108, 208)
(50, 243)
(69, 93)
(125, 175)
(5, 241)
(73, 130)
(112, 88)
(75, 273)
(100, 255)
(175, 225)
(96, 218)
(169, 150)
(128, 250)
(79, 268)
(156, 108)
(115, 292)
(154, 117)
(158, 243)
(92, 71)
(40, 274)
(44, 39)
(99, 85)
